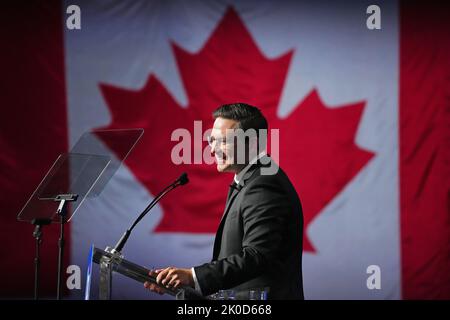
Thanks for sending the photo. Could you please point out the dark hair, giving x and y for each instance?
(248, 117)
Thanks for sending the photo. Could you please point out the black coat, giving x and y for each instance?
(259, 240)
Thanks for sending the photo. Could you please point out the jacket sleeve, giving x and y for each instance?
(265, 210)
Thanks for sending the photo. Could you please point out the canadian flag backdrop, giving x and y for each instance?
(363, 118)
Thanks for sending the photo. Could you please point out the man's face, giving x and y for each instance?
(221, 147)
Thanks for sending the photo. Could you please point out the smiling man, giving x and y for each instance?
(258, 244)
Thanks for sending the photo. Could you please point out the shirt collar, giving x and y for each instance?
(238, 177)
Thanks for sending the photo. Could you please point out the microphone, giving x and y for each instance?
(182, 180)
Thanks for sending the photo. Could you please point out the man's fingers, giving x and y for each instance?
(156, 289)
(159, 289)
(173, 278)
(177, 283)
(153, 287)
(170, 277)
(153, 273)
(162, 275)
(166, 275)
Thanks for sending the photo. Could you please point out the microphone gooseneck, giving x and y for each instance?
(182, 180)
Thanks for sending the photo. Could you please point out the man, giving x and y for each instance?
(258, 245)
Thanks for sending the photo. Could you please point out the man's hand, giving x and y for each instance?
(170, 278)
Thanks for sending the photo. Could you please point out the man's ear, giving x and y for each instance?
(253, 147)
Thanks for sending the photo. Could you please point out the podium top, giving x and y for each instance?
(139, 273)
(81, 173)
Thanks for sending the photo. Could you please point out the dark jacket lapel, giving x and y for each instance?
(232, 193)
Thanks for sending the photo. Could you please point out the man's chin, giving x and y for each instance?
(224, 168)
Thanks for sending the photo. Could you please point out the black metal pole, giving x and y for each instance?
(63, 199)
(60, 255)
(37, 234)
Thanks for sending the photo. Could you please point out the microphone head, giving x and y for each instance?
(183, 179)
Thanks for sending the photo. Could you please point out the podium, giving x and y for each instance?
(111, 261)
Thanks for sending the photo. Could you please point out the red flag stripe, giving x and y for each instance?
(424, 130)
(33, 131)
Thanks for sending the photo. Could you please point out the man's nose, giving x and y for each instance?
(213, 148)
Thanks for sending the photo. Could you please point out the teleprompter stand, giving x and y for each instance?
(75, 175)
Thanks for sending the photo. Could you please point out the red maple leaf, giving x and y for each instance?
(317, 148)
